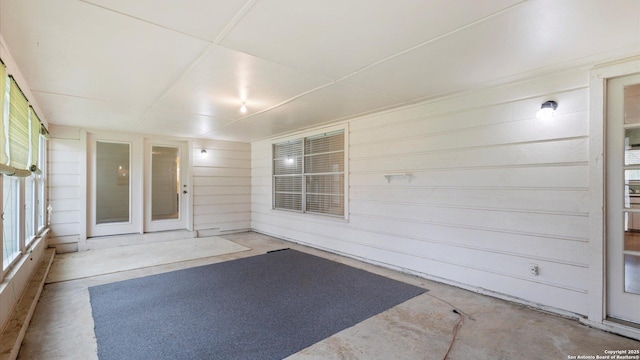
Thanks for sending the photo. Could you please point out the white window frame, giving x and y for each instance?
(302, 136)
(40, 216)
(19, 226)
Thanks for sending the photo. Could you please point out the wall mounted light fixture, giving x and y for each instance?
(243, 108)
(203, 153)
(547, 110)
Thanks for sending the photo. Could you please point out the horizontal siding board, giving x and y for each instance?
(65, 217)
(555, 225)
(550, 200)
(221, 190)
(230, 226)
(571, 176)
(64, 168)
(221, 218)
(220, 153)
(221, 199)
(210, 171)
(221, 181)
(571, 126)
(64, 192)
(64, 180)
(58, 204)
(566, 151)
(223, 163)
(482, 119)
(221, 208)
(65, 229)
(60, 156)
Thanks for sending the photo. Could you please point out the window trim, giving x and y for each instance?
(302, 136)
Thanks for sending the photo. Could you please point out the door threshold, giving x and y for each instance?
(623, 322)
(103, 242)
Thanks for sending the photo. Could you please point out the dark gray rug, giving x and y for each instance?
(262, 307)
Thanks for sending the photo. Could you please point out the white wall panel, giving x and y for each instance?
(65, 154)
(221, 186)
(492, 190)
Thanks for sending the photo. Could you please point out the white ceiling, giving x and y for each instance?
(183, 68)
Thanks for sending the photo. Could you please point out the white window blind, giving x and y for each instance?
(18, 128)
(309, 174)
(287, 175)
(34, 139)
(4, 115)
(324, 173)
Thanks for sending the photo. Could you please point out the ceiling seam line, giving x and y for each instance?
(234, 21)
(87, 2)
(230, 25)
(437, 38)
(197, 61)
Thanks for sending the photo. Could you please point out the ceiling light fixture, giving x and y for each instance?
(547, 110)
(243, 108)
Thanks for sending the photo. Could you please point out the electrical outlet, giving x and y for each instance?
(533, 269)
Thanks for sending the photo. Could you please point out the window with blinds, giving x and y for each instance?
(308, 174)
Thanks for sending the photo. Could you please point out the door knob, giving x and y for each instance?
(184, 192)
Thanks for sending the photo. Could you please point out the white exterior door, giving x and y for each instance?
(623, 198)
(166, 187)
(114, 185)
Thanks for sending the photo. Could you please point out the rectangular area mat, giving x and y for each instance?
(261, 307)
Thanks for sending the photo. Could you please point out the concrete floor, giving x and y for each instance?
(421, 328)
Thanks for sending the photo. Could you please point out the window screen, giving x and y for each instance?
(308, 174)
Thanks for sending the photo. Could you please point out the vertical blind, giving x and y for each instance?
(20, 129)
(308, 174)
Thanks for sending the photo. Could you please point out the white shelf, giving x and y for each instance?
(399, 175)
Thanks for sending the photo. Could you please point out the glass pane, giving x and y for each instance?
(632, 189)
(288, 184)
(40, 179)
(632, 146)
(288, 201)
(631, 222)
(325, 184)
(324, 163)
(165, 183)
(324, 143)
(325, 204)
(30, 205)
(10, 240)
(632, 104)
(287, 166)
(632, 274)
(112, 182)
(632, 236)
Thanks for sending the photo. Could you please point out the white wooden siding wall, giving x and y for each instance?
(221, 187)
(493, 189)
(65, 157)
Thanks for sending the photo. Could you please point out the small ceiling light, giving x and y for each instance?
(547, 110)
(243, 108)
(203, 152)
